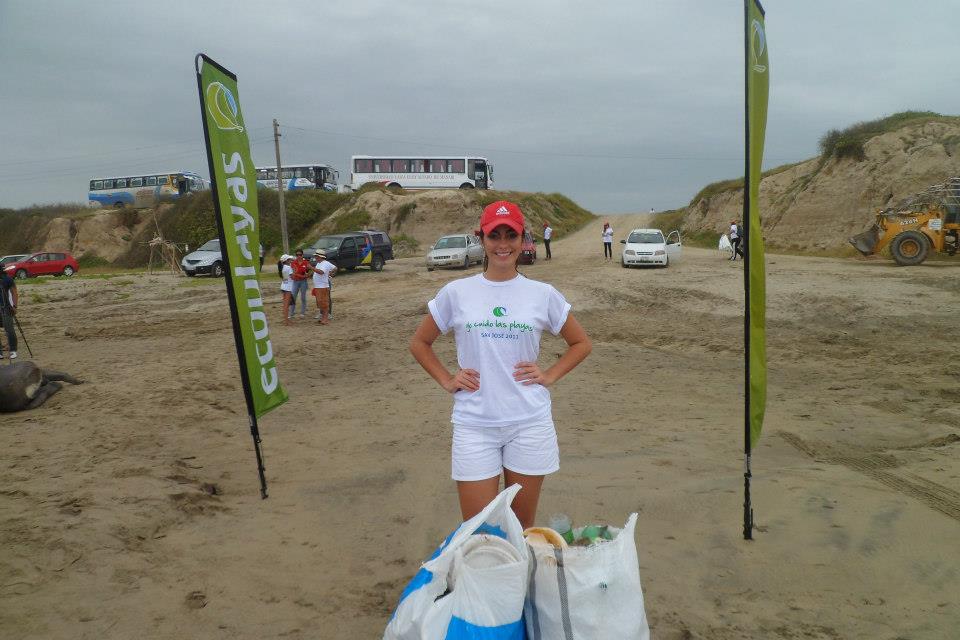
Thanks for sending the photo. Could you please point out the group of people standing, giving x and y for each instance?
(296, 272)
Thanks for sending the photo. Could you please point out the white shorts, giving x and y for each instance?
(484, 452)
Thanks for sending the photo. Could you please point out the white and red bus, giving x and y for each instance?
(422, 172)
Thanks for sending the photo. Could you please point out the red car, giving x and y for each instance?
(528, 250)
(43, 264)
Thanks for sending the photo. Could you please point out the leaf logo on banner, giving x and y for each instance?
(222, 107)
(758, 45)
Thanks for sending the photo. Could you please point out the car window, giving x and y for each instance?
(57, 256)
(348, 243)
(210, 245)
(38, 258)
(326, 243)
(452, 242)
(645, 237)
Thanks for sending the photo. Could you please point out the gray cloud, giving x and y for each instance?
(647, 94)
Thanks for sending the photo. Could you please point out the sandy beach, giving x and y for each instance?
(129, 506)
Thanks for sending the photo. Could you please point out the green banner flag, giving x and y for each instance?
(758, 90)
(234, 186)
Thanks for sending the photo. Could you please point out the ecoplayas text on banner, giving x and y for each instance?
(234, 187)
(758, 91)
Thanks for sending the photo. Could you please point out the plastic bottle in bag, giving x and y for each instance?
(561, 524)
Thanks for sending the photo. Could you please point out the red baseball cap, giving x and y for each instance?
(501, 212)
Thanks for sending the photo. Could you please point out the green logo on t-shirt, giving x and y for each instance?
(499, 311)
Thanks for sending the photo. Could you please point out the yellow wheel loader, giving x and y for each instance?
(927, 221)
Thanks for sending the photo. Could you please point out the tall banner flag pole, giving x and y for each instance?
(757, 88)
(234, 187)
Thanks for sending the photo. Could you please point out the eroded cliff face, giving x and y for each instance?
(809, 207)
(108, 234)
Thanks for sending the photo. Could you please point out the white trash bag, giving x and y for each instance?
(474, 585)
(585, 593)
(725, 246)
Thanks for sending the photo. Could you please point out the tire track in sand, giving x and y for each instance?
(936, 496)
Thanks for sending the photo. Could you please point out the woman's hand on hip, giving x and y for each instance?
(530, 373)
(463, 380)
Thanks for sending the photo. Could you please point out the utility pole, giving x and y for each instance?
(283, 211)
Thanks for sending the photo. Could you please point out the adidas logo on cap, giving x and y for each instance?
(503, 211)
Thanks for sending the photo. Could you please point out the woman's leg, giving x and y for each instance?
(476, 494)
(525, 504)
(286, 307)
(324, 301)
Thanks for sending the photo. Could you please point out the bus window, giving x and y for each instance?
(401, 166)
(456, 166)
(438, 166)
(418, 166)
(161, 179)
(136, 182)
(121, 183)
(151, 181)
(381, 166)
(363, 166)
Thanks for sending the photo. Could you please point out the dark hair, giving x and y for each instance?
(516, 265)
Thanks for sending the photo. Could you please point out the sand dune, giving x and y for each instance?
(130, 505)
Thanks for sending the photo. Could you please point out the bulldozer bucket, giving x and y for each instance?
(866, 242)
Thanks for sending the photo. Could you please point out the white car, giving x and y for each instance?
(645, 247)
(459, 250)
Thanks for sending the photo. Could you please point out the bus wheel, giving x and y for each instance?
(466, 185)
(393, 187)
(118, 205)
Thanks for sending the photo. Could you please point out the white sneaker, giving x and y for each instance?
(317, 317)
(13, 355)
(2, 356)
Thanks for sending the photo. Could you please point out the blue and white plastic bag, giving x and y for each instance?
(474, 585)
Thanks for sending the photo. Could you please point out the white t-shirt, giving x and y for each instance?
(287, 275)
(322, 281)
(608, 234)
(547, 232)
(497, 325)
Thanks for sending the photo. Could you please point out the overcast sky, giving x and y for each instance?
(622, 106)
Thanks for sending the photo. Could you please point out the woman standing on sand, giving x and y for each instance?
(607, 241)
(286, 287)
(502, 417)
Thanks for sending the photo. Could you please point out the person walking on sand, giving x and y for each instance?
(301, 273)
(322, 272)
(735, 240)
(607, 241)
(502, 417)
(286, 287)
(9, 298)
(547, 234)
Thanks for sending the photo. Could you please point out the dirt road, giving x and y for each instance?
(130, 505)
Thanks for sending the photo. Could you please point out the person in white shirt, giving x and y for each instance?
(286, 287)
(607, 241)
(322, 272)
(502, 417)
(547, 234)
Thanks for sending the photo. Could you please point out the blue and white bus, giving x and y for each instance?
(299, 176)
(422, 172)
(144, 190)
